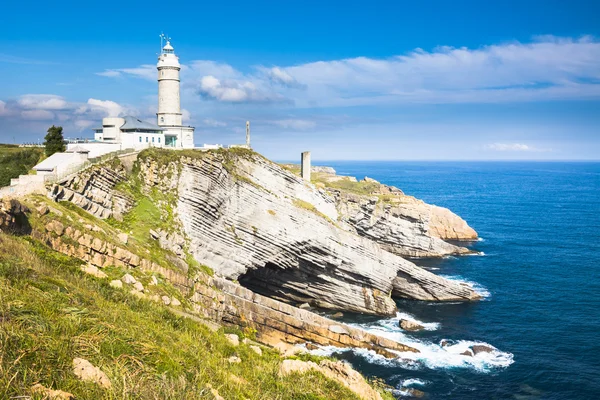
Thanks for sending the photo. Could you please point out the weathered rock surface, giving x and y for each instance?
(339, 371)
(12, 214)
(85, 371)
(408, 325)
(225, 302)
(93, 191)
(274, 233)
(402, 224)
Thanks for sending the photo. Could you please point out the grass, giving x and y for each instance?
(15, 161)
(51, 313)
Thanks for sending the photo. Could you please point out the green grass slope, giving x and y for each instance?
(15, 161)
(51, 312)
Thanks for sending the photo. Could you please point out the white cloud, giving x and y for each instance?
(42, 102)
(548, 68)
(41, 115)
(106, 107)
(145, 71)
(235, 91)
(213, 123)
(295, 124)
(4, 111)
(513, 147)
(83, 124)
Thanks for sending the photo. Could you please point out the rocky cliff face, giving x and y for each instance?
(404, 225)
(252, 221)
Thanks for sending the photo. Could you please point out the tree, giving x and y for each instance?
(54, 140)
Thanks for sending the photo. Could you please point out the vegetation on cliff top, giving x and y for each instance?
(15, 161)
(51, 312)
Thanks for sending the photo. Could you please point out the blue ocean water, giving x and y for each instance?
(540, 225)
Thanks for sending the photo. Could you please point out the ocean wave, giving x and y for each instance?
(431, 355)
(480, 239)
(476, 254)
(412, 382)
(480, 289)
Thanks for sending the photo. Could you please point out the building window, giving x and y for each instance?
(162, 119)
(140, 139)
(153, 140)
(159, 140)
(146, 139)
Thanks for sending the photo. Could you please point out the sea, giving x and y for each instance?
(538, 268)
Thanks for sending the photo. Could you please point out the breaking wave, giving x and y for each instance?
(480, 289)
(444, 355)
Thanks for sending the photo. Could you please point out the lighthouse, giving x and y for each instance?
(169, 103)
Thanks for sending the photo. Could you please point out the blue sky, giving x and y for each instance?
(346, 80)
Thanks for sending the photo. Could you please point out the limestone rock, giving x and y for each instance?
(297, 241)
(116, 283)
(56, 227)
(123, 237)
(43, 210)
(337, 315)
(412, 392)
(50, 394)
(85, 371)
(128, 279)
(234, 360)
(214, 392)
(256, 349)
(175, 302)
(304, 306)
(93, 270)
(339, 371)
(138, 286)
(404, 225)
(153, 234)
(481, 348)
(153, 281)
(166, 300)
(233, 339)
(409, 325)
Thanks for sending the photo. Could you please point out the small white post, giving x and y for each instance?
(305, 166)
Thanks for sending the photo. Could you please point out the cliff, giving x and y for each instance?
(252, 221)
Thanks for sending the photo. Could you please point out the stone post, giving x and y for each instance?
(305, 166)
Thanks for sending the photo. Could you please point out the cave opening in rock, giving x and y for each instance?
(292, 285)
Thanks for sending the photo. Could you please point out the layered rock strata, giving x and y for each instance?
(221, 300)
(92, 190)
(277, 235)
(404, 225)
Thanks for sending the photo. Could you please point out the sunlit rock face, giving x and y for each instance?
(252, 221)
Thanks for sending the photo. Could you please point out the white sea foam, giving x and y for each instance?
(412, 382)
(480, 239)
(431, 355)
(480, 289)
(394, 322)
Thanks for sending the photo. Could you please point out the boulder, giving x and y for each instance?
(123, 237)
(256, 349)
(481, 348)
(138, 286)
(49, 394)
(409, 325)
(304, 306)
(234, 360)
(166, 300)
(175, 302)
(116, 283)
(128, 279)
(93, 270)
(233, 339)
(85, 371)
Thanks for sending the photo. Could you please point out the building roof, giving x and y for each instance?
(133, 123)
(77, 149)
(53, 161)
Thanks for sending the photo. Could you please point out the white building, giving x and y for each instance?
(62, 163)
(131, 132)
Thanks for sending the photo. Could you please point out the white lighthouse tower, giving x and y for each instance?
(169, 105)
